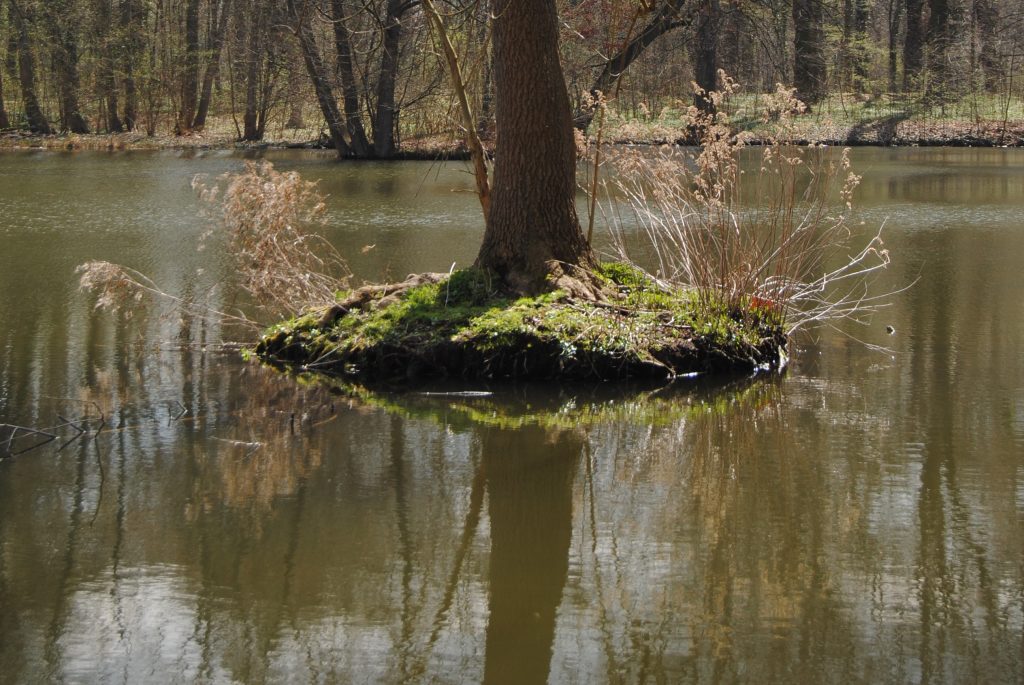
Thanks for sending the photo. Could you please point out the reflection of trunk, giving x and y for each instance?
(529, 492)
(405, 539)
(298, 13)
(37, 122)
(809, 68)
(384, 120)
(212, 66)
(343, 48)
(705, 54)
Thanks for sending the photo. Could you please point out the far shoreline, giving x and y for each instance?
(433, 148)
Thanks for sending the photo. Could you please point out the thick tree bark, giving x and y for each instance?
(37, 122)
(913, 43)
(346, 75)
(212, 66)
(533, 232)
(384, 119)
(809, 66)
(298, 12)
(705, 54)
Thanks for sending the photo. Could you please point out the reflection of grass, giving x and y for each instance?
(566, 406)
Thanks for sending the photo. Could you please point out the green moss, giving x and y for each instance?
(461, 327)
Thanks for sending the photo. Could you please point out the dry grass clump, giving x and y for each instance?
(258, 217)
(260, 213)
(768, 235)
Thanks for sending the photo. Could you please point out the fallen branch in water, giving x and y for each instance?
(50, 437)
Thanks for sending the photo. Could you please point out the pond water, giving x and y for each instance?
(859, 518)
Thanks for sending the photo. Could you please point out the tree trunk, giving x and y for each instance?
(294, 90)
(913, 43)
(987, 17)
(212, 67)
(533, 232)
(346, 75)
(298, 12)
(859, 49)
(58, 17)
(809, 67)
(107, 83)
(37, 122)
(705, 54)
(384, 119)
(941, 20)
(253, 57)
(5, 122)
(190, 73)
(131, 29)
(486, 87)
(895, 14)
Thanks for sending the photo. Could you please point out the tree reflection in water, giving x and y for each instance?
(530, 474)
(565, 534)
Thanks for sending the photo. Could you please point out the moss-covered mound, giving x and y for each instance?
(437, 326)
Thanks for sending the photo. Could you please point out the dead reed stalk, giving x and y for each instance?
(766, 233)
(258, 217)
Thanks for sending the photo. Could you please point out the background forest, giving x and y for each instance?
(366, 77)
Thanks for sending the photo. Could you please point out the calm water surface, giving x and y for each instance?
(197, 518)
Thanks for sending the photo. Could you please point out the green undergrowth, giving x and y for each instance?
(462, 327)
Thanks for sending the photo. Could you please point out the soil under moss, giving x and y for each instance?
(436, 325)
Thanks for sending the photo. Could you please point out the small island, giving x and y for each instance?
(440, 325)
